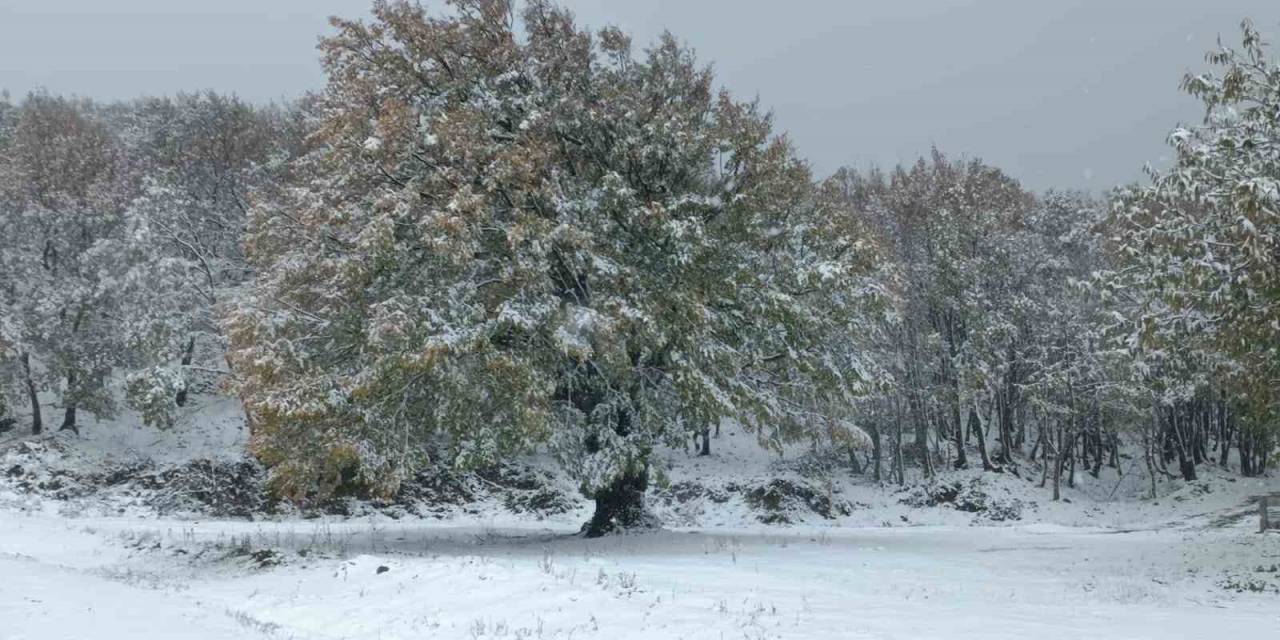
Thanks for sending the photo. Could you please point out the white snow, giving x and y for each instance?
(117, 578)
(1104, 565)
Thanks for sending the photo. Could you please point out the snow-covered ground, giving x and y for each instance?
(125, 578)
(1105, 565)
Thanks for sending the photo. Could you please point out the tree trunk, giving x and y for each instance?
(897, 442)
(1044, 457)
(1148, 446)
(37, 419)
(187, 353)
(1224, 439)
(1243, 442)
(875, 450)
(976, 424)
(69, 416)
(1004, 418)
(705, 449)
(1057, 466)
(1071, 460)
(961, 460)
(1099, 447)
(1113, 460)
(855, 467)
(69, 397)
(69, 419)
(921, 443)
(1186, 463)
(620, 505)
(1187, 467)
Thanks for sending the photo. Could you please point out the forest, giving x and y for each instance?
(474, 243)
(496, 236)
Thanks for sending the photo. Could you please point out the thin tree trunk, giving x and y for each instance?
(37, 419)
(922, 436)
(187, 353)
(69, 416)
(1186, 464)
(976, 424)
(69, 397)
(1224, 439)
(1071, 459)
(1113, 460)
(1004, 410)
(854, 466)
(1148, 444)
(1057, 465)
(69, 420)
(897, 442)
(1097, 457)
(1041, 441)
(875, 450)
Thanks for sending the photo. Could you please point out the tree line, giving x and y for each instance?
(494, 231)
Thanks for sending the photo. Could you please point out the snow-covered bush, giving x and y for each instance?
(971, 496)
(153, 393)
(782, 501)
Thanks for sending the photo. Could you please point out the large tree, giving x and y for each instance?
(510, 236)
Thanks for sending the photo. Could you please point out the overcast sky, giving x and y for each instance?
(1069, 93)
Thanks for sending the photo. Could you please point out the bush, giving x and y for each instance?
(781, 500)
(970, 497)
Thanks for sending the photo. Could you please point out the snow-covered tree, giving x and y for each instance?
(201, 156)
(995, 329)
(1200, 248)
(511, 236)
(946, 227)
(60, 175)
(88, 292)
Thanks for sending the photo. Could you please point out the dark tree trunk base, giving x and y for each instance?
(69, 421)
(621, 506)
(1188, 469)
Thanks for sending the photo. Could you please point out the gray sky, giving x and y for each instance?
(1069, 93)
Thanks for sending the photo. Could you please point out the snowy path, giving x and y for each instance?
(62, 579)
